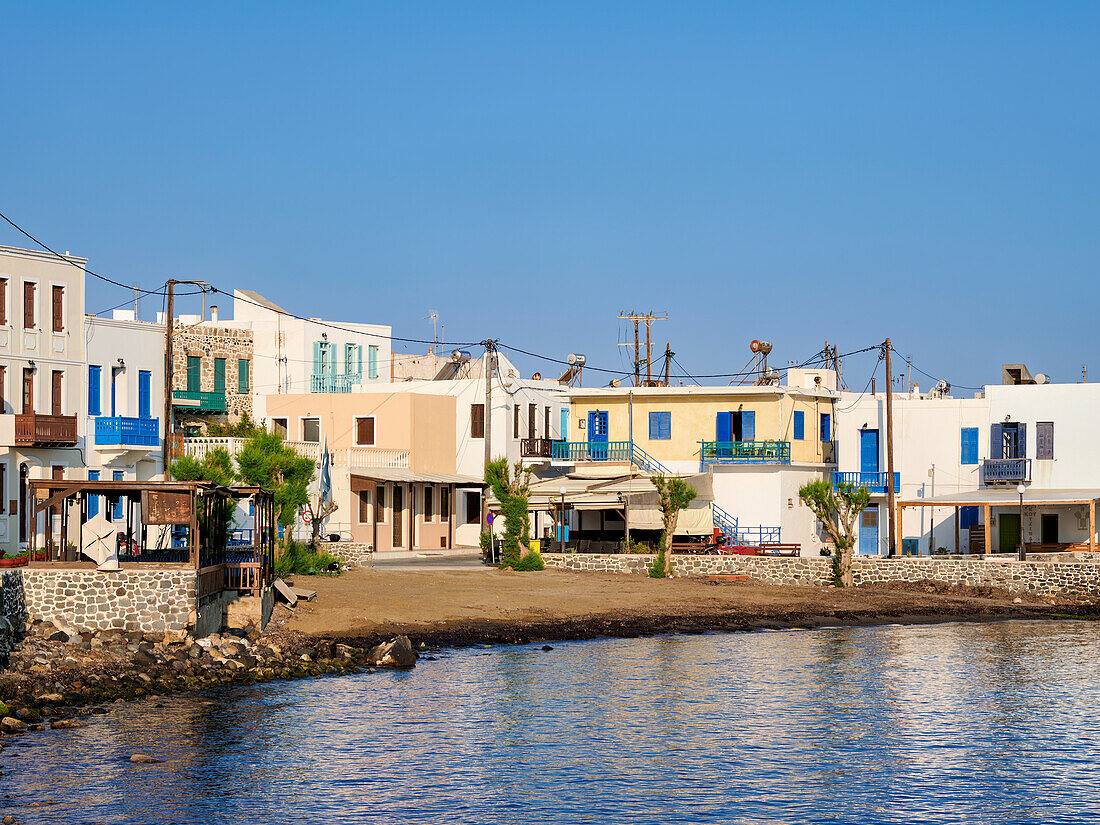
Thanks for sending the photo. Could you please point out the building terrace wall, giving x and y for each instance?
(1077, 581)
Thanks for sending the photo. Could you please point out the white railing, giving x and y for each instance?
(352, 457)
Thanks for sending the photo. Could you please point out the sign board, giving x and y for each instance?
(307, 516)
(489, 518)
(162, 507)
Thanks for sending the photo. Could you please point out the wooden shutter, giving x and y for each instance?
(723, 427)
(1021, 441)
(28, 391)
(379, 504)
(58, 309)
(3, 399)
(3, 300)
(532, 410)
(364, 506)
(219, 375)
(55, 393)
(1044, 439)
(145, 389)
(429, 503)
(546, 425)
(664, 430)
(477, 421)
(364, 431)
(515, 421)
(444, 503)
(996, 441)
(28, 306)
(654, 427)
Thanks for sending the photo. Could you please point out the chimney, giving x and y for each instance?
(214, 313)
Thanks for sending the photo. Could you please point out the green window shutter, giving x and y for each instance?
(194, 373)
(316, 357)
(359, 360)
(372, 361)
(219, 375)
(242, 376)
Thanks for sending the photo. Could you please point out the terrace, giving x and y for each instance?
(746, 452)
(874, 482)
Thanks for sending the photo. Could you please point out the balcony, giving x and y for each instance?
(320, 382)
(1006, 470)
(34, 430)
(536, 448)
(592, 451)
(874, 482)
(746, 452)
(351, 457)
(121, 431)
(197, 401)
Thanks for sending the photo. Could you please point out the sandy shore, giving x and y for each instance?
(456, 607)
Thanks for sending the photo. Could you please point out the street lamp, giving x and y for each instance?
(1022, 549)
(561, 521)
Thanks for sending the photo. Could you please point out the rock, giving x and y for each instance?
(395, 653)
(51, 698)
(62, 724)
(347, 651)
(547, 647)
(8, 819)
(9, 723)
(58, 636)
(145, 759)
(1017, 600)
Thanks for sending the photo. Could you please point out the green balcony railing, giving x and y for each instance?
(746, 452)
(198, 401)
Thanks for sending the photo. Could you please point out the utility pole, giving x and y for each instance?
(637, 318)
(490, 364)
(637, 356)
(668, 359)
(170, 288)
(648, 353)
(892, 547)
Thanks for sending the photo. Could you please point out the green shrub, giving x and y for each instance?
(299, 559)
(531, 562)
(657, 569)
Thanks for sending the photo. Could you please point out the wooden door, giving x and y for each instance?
(55, 393)
(398, 506)
(28, 391)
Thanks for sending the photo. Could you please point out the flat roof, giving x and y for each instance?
(1006, 496)
(666, 392)
(415, 477)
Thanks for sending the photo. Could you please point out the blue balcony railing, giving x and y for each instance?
(746, 452)
(1006, 470)
(592, 451)
(874, 482)
(332, 383)
(121, 431)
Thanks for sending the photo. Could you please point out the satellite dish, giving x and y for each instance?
(614, 382)
(1041, 378)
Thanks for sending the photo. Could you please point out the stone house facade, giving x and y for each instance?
(212, 359)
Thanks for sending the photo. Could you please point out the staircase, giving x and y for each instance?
(724, 523)
(647, 463)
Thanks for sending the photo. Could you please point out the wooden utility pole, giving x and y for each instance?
(170, 288)
(668, 359)
(637, 356)
(636, 318)
(490, 365)
(892, 547)
(648, 353)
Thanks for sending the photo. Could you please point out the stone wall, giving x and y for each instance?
(209, 343)
(13, 611)
(350, 553)
(152, 601)
(1068, 580)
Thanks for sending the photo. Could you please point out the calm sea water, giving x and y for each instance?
(946, 723)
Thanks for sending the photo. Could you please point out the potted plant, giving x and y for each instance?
(18, 560)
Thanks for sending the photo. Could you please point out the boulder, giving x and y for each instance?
(10, 723)
(395, 653)
(51, 698)
(145, 759)
(62, 724)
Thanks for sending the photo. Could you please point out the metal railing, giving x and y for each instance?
(320, 382)
(874, 482)
(644, 461)
(734, 534)
(199, 400)
(351, 457)
(745, 452)
(120, 430)
(536, 448)
(45, 430)
(1006, 470)
(593, 451)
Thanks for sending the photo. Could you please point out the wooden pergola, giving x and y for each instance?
(165, 506)
(1003, 497)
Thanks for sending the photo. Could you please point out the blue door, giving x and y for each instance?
(868, 455)
(868, 531)
(597, 435)
(748, 426)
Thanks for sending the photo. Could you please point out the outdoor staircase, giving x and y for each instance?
(727, 527)
(647, 463)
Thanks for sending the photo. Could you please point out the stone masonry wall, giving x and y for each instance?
(13, 611)
(152, 601)
(350, 553)
(209, 343)
(1077, 581)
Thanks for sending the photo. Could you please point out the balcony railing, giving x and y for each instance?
(332, 383)
(592, 451)
(1006, 470)
(746, 452)
(199, 401)
(45, 430)
(121, 431)
(874, 482)
(536, 448)
(351, 457)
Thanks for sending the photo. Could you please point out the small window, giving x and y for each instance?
(1044, 440)
(444, 503)
(515, 421)
(826, 427)
(364, 431)
(799, 425)
(969, 445)
(473, 508)
(59, 309)
(311, 430)
(379, 504)
(660, 426)
(242, 375)
(278, 426)
(429, 503)
(477, 422)
(364, 506)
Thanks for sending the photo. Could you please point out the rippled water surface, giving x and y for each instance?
(946, 723)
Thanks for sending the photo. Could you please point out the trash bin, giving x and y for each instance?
(535, 545)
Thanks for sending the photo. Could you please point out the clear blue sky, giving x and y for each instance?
(799, 172)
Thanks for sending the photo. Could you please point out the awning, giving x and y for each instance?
(1004, 496)
(409, 476)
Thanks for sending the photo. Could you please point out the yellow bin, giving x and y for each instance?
(534, 545)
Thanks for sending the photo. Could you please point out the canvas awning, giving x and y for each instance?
(1004, 496)
(411, 477)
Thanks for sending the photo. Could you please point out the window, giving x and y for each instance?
(278, 426)
(515, 421)
(59, 309)
(379, 504)
(56, 378)
(28, 390)
(477, 421)
(969, 447)
(473, 508)
(3, 300)
(219, 375)
(349, 359)
(145, 394)
(194, 373)
(242, 375)
(116, 513)
(532, 411)
(546, 424)
(372, 361)
(660, 426)
(311, 430)
(364, 431)
(1008, 440)
(1044, 440)
(445, 503)
(93, 501)
(28, 305)
(95, 391)
(429, 503)
(364, 506)
(826, 427)
(968, 517)
(799, 425)
(564, 424)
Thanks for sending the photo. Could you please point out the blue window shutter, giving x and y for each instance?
(359, 360)
(748, 426)
(969, 450)
(826, 429)
(94, 390)
(564, 434)
(799, 425)
(145, 385)
(93, 501)
(1021, 441)
(996, 441)
(665, 430)
(654, 426)
(723, 428)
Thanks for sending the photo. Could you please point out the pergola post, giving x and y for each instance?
(898, 539)
(957, 548)
(988, 528)
(1092, 525)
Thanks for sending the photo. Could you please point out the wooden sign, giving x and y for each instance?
(160, 507)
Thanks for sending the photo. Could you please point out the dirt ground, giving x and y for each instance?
(490, 605)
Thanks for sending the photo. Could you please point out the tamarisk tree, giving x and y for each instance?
(673, 495)
(838, 509)
(512, 491)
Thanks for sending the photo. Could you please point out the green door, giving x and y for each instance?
(1010, 531)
